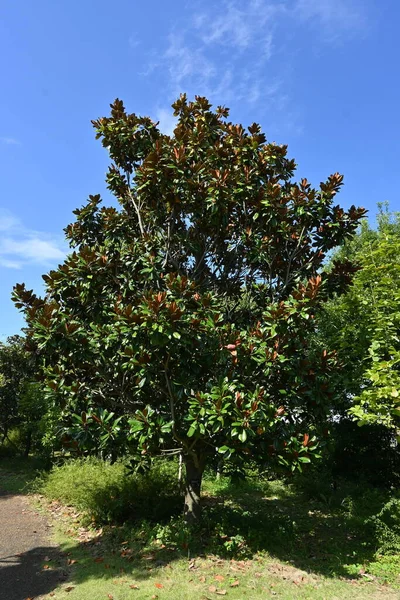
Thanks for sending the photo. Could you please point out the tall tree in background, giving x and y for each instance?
(16, 368)
(182, 319)
(22, 405)
(363, 325)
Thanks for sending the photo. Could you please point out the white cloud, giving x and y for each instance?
(238, 27)
(32, 248)
(167, 121)
(239, 52)
(338, 18)
(20, 246)
(186, 66)
(203, 57)
(8, 221)
(133, 41)
(10, 264)
(10, 141)
(192, 58)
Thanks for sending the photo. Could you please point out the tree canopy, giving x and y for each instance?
(364, 324)
(180, 321)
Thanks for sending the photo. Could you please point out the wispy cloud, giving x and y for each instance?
(214, 54)
(8, 222)
(338, 18)
(10, 264)
(167, 121)
(20, 246)
(134, 40)
(239, 26)
(10, 141)
(236, 52)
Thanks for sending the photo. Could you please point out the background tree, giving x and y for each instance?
(363, 326)
(15, 370)
(186, 313)
(23, 405)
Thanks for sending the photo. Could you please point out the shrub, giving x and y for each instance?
(387, 527)
(106, 492)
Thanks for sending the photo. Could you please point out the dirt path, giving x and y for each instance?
(30, 564)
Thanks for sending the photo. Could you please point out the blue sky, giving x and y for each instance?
(319, 75)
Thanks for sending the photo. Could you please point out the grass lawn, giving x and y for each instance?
(259, 540)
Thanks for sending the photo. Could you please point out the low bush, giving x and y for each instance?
(108, 493)
(387, 527)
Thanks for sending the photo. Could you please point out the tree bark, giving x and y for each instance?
(28, 443)
(194, 475)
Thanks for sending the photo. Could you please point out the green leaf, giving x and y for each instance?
(243, 436)
(192, 429)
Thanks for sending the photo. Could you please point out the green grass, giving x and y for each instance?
(17, 474)
(269, 539)
(292, 550)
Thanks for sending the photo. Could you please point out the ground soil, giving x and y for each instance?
(30, 564)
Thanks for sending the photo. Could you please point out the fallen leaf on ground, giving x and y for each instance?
(159, 585)
(235, 583)
(212, 588)
(110, 596)
(99, 559)
(219, 578)
(202, 579)
(69, 588)
(72, 561)
(133, 586)
(221, 592)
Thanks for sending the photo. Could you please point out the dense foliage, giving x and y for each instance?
(13, 372)
(180, 322)
(364, 324)
(25, 422)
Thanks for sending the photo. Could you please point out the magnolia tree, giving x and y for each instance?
(179, 322)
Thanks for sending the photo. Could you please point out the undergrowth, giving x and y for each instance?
(108, 493)
(339, 531)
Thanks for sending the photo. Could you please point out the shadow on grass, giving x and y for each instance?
(16, 473)
(323, 536)
(22, 575)
(322, 533)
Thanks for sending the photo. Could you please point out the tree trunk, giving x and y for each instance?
(194, 474)
(220, 466)
(28, 443)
